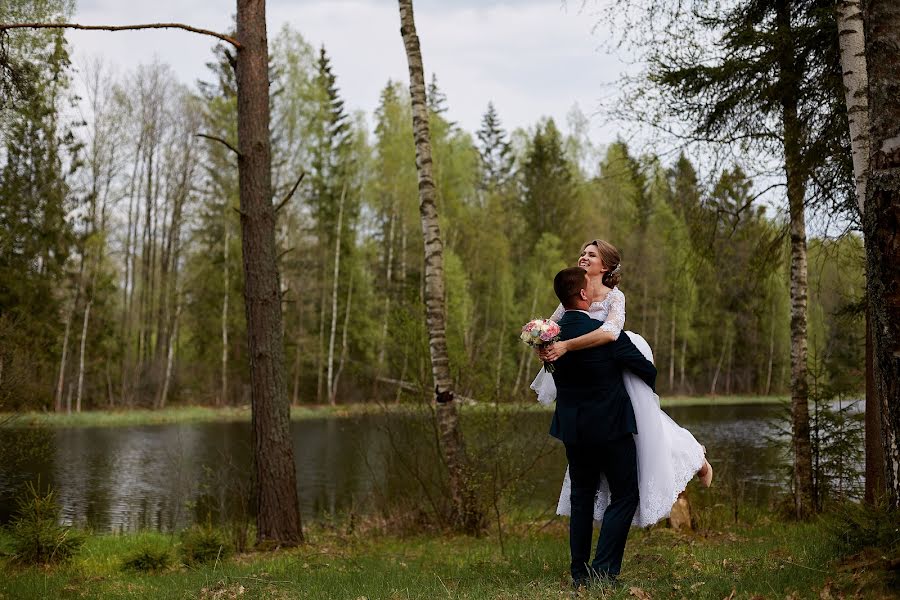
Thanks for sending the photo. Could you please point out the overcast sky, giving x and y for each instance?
(532, 58)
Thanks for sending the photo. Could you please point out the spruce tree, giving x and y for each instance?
(495, 150)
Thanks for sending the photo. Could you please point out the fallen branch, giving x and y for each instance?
(411, 387)
(221, 36)
(290, 193)
(221, 141)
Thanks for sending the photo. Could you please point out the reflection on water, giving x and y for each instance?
(164, 476)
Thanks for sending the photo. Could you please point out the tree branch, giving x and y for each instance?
(218, 139)
(290, 193)
(221, 36)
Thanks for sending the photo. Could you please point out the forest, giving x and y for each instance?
(239, 317)
(122, 278)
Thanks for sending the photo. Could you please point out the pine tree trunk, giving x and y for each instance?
(334, 299)
(468, 515)
(874, 487)
(681, 365)
(278, 512)
(881, 225)
(796, 192)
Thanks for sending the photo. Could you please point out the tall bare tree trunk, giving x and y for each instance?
(278, 511)
(344, 345)
(389, 265)
(681, 363)
(672, 349)
(796, 193)
(468, 515)
(856, 83)
(84, 332)
(715, 379)
(60, 381)
(881, 225)
(334, 298)
(223, 395)
(170, 356)
(771, 353)
(523, 357)
(320, 358)
(874, 486)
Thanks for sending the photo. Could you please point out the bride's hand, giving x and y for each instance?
(554, 351)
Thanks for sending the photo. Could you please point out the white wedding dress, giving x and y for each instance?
(668, 456)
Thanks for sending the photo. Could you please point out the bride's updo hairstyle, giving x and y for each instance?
(611, 260)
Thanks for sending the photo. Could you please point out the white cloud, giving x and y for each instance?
(532, 58)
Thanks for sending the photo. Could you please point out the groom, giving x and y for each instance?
(595, 421)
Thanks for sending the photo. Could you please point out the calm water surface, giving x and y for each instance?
(164, 476)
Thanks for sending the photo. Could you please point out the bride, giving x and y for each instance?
(668, 456)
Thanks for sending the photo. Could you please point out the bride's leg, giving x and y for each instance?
(705, 474)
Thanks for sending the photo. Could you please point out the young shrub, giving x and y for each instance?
(37, 538)
(148, 559)
(203, 544)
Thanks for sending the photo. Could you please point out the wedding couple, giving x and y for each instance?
(628, 461)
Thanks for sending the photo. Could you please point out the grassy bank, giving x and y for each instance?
(769, 559)
(201, 414)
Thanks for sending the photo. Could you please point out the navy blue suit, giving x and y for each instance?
(595, 420)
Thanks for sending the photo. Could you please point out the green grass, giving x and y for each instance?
(198, 414)
(770, 559)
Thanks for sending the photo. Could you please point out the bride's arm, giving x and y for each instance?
(558, 313)
(608, 332)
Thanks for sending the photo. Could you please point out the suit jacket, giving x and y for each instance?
(592, 405)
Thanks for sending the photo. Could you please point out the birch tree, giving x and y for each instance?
(468, 514)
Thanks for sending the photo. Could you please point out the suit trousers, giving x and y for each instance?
(617, 460)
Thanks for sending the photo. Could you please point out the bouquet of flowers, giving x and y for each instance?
(538, 333)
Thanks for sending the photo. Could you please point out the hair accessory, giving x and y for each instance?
(616, 270)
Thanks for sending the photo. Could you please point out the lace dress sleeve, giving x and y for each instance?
(558, 313)
(615, 320)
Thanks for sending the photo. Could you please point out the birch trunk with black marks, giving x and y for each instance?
(278, 513)
(881, 225)
(852, 42)
(796, 193)
(468, 515)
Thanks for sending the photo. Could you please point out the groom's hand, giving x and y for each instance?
(553, 352)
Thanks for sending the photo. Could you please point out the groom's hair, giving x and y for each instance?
(567, 284)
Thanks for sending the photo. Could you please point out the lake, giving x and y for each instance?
(165, 476)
